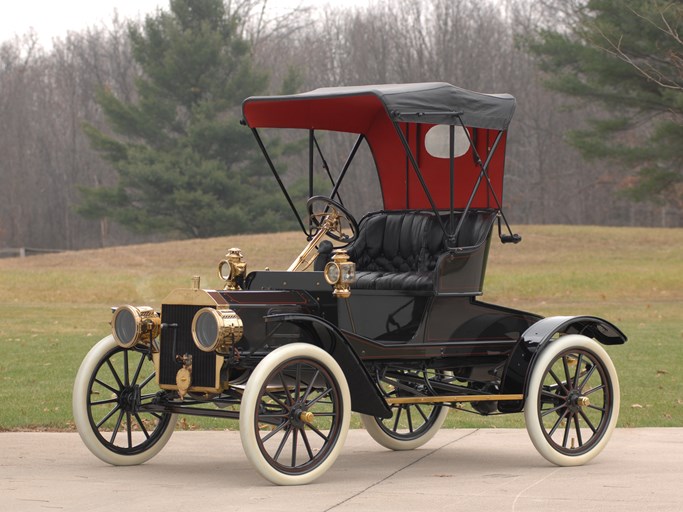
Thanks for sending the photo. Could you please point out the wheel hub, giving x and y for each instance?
(576, 401)
(129, 399)
(299, 417)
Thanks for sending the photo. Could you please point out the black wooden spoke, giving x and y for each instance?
(588, 421)
(126, 376)
(596, 408)
(138, 369)
(587, 378)
(398, 417)
(109, 415)
(593, 390)
(116, 427)
(277, 400)
(297, 384)
(148, 396)
(565, 365)
(552, 395)
(148, 380)
(410, 419)
(295, 438)
(577, 425)
(314, 429)
(115, 374)
(323, 394)
(282, 444)
(419, 409)
(157, 415)
(558, 422)
(567, 430)
(141, 425)
(103, 384)
(277, 429)
(579, 362)
(310, 388)
(272, 415)
(103, 402)
(325, 414)
(307, 444)
(545, 412)
(559, 382)
(285, 390)
(129, 425)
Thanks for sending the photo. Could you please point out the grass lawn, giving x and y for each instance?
(53, 308)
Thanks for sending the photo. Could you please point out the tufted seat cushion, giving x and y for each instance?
(397, 251)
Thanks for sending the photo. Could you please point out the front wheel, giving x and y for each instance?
(573, 401)
(112, 386)
(295, 414)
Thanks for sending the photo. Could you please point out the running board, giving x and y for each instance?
(453, 398)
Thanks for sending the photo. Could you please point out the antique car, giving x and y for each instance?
(380, 316)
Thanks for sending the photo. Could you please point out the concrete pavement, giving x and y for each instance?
(459, 470)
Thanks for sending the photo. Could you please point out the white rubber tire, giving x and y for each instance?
(531, 407)
(252, 396)
(382, 438)
(81, 417)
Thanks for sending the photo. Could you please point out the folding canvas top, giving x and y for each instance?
(395, 118)
(353, 109)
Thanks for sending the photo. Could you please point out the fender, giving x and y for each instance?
(516, 374)
(365, 396)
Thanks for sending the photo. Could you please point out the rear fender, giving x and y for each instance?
(365, 397)
(517, 370)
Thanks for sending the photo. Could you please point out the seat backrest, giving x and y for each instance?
(412, 241)
(397, 242)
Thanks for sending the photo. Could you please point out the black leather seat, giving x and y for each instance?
(399, 250)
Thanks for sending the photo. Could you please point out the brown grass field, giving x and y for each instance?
(53, 308)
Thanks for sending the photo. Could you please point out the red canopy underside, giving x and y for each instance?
(401, 188)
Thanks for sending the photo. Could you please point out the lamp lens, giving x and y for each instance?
(125, 327)
(332, 273)
(224, 270)
(206, 328)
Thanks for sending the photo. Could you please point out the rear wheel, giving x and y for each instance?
(111, 386)
(411, 425)
(295, 414)
(573, 401)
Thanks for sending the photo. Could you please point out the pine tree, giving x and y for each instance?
(184, 163)
(627, 56)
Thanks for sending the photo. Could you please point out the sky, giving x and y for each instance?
(54, 18)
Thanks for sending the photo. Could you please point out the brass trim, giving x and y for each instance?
(191, 297)
(583, 401)
(183, 380)
(453, 398)
(308, 254)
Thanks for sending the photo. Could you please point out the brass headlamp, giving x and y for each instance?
(216, 329)
(340, 273)
(131, 325)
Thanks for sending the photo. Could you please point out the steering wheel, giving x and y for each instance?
(329, 215)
